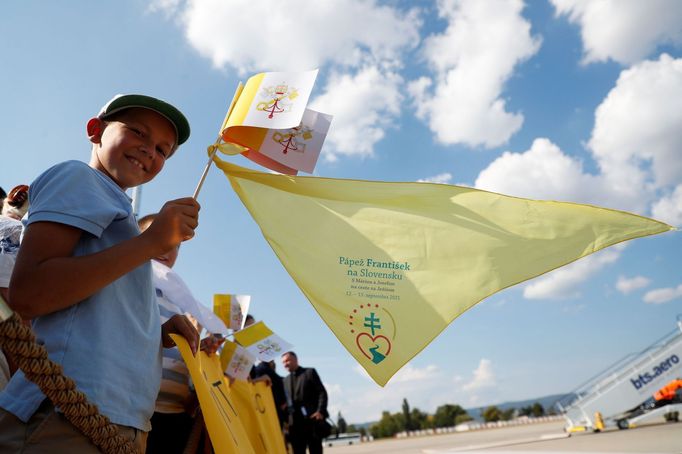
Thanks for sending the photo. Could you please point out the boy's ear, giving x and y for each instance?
(94, 128)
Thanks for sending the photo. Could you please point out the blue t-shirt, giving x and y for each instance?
(109, 343)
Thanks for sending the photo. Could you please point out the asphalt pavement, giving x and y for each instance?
(665, 438)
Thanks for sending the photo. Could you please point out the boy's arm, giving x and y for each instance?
(47, 278)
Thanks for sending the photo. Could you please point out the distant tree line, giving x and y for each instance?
(447, 415)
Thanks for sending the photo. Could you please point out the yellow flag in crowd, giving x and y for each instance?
(222, 419)
(231, 309)
(236, 361)
(240, 417)
(389, 265)
(256, 408)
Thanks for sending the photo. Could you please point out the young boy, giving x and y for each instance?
(83, 275)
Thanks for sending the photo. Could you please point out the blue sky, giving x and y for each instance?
(564, 100)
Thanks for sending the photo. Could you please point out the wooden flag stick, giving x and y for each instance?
(203, 175)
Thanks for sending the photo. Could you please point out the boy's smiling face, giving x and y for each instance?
(131, 147)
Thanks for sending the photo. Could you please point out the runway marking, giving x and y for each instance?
(531, 452)
(519, 441)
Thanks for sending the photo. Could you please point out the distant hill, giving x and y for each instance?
(547, 403)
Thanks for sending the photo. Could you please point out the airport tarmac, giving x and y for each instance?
(532, 439)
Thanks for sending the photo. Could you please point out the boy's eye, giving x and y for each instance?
(136, 131)
(162, 152)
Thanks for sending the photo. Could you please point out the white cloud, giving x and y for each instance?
(563, 282)
(361, 371)
(542, 172)
(442, 178)
(407, 373)
(635, 144)
(663, 295)
(169, 8)
(410, 373)
(628, 285)
(474, 399)
(623, 30)
(669, 208)
(364, 105)
(280, 36)
(545, 172)
(335, 395)
(483, 376)
(423, 387)
(360, 42)
(472, 60)
(637, 131)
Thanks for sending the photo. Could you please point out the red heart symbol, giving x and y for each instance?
(371, 348)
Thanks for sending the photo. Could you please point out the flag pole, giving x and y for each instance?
(203, 175)
(214, 148)
(137, 197)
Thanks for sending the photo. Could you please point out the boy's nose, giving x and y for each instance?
(146, 150)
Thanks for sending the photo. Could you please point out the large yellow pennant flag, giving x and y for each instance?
(389, 265)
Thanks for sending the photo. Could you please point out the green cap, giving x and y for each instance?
(172, 114)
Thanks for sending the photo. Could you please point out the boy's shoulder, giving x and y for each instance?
(75, 194)
(73, 174)
(67, 167)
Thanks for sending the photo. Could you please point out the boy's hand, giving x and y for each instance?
(174, 224)
(211, 343)
(179, 324)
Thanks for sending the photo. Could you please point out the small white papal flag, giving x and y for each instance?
(236, 361)
(232, 309)
(261, 342)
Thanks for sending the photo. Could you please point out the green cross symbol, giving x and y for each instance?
(371, 320)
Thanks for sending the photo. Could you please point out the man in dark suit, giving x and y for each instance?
(307, 406)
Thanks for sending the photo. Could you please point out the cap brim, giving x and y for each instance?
(168, 111)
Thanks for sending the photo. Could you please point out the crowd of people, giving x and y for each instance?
(77, 265)
(14, 206)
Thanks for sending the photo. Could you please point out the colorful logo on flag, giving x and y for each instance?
(269, 347)
(277, 98)
(293, 139)
(374, 329)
